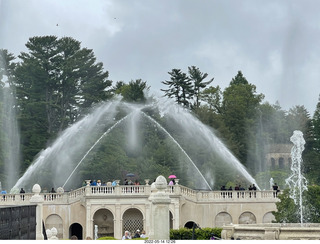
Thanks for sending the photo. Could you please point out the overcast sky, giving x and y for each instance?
(276, 44)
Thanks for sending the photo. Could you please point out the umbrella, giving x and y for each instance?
(172, 177)
(130, 175)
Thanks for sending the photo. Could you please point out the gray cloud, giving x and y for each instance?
(274, 43)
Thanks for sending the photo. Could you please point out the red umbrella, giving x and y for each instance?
(172, 177)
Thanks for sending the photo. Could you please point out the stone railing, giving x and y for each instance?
(142, 191)
(236, 196)
(271, 231)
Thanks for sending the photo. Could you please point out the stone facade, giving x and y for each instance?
(273, 231)
(114, 209)
(278, 156)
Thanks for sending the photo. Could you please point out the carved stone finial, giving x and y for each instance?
(36, 189)
(161, 183)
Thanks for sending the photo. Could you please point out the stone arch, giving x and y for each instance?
(132, 220)
(281, 163)
(268, 218)
(54, 220)
(189, 224)
(222, 218)
(76, 229)
(171, 219)
(247, 218)
(104, 219)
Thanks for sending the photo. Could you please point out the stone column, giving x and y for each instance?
(176, 217)
(160, 226)
(117, 222)
(89, 227)
(37, 199)
(147, 222)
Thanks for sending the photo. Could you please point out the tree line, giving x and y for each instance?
(57, 81)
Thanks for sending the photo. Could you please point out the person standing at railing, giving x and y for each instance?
(223, 189)
(171, 184)
(254, 188)
(230, 192)
(275, 190)
(4, 192)
(22, 194)
(52, 196)
(250, 189)
(136, 183)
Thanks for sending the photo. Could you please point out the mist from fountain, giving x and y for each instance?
(184, 152)
(10, 145)
(93, 146)
(271, 182)
(55, 162)
(296, 181)
(67, 153)
(195, 127)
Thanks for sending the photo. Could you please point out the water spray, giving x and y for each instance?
(296, 181)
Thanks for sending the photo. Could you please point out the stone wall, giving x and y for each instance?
(274, 231)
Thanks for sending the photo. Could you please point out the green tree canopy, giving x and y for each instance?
(180, 87)
(134, 91)
(56, 82)
(198, 83)
(239, 108)
(288, 212)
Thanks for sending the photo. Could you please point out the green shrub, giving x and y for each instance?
(112, 238)
(107, 238)
(199, 234)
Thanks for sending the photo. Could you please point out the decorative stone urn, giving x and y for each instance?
(160, 227)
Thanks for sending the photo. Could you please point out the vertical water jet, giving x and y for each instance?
(10, 141)
(296, 181)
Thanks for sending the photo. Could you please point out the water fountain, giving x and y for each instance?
(10, 145)
(64, 157)
(271, 182)
(296, 181)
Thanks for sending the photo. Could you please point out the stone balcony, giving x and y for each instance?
(140, 191)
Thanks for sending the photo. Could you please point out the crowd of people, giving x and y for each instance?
(227, 192)
(239, 188)
(138, 234)
(109, 183)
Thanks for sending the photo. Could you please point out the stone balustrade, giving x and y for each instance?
(272, 231)
(142, 191)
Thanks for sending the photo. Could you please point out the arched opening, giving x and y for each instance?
(268, 218)
(104, 220)
(171, 220)
(189, 224)
(247, 218)
(222, 218)
(76, 230)
(132, 221)
(55, 220)
(281, 163)
(273, 163)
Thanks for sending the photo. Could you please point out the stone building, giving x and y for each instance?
(278, 156)
(111, 210)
